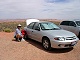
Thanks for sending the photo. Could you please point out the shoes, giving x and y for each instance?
(19, 40)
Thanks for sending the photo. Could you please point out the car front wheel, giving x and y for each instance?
(79, 36)
(46, 43)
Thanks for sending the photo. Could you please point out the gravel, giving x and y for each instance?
(32, 50)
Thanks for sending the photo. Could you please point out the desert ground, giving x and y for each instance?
(32, 50)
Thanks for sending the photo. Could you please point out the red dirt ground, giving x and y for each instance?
(31, 50)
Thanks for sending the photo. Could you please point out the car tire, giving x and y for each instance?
(46, 44)
(25, 37)
(79, 36)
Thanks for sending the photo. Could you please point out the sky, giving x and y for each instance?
(40, 9)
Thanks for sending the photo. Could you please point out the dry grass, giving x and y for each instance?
(10, 25)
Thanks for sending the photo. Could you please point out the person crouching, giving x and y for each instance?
(18, 35)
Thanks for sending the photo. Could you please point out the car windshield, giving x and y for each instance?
(49, 26)
(78, 23)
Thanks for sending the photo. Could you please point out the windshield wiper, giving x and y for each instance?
(56, 29)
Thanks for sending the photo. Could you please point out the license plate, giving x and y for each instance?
(73, 43)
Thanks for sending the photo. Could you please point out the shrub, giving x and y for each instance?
(7, 30)
(11, 25)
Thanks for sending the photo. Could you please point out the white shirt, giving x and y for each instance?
(18, 32)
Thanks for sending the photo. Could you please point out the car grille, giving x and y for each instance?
(70, 38)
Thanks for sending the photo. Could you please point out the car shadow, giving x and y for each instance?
(53, 50)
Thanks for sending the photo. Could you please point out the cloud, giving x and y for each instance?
(20, 8)
(67, 10)
(57, 1)
(59, 9)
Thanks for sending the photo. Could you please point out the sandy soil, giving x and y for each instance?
(31, 50)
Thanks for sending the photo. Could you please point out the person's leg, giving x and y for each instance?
(18, 37)
(15, 38)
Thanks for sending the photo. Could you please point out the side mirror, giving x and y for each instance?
(37, 29)
(74, 25)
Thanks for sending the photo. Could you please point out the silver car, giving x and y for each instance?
(50, 35)
(71, 25)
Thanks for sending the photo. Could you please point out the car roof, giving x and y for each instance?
(73, 20)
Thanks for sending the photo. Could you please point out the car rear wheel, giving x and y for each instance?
(46, 44)
(25, 36)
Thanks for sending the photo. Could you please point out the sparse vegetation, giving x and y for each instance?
(7, 30)
(11, 26)
(56, 22)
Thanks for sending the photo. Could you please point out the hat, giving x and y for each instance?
(19, 24)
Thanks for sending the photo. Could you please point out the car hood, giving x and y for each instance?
(79, 27)
(60, 33)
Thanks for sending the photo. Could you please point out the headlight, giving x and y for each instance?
(60, 38)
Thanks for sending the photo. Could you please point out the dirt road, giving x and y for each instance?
(31, 50)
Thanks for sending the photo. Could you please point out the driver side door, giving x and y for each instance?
(72, 27)
(37, 33)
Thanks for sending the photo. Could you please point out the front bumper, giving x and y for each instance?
(63, 44)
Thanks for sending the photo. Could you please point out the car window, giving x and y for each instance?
(65, 23)
(36, 26)
(48, 26)
(78, 23)
(72, 24)
(31, 25)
